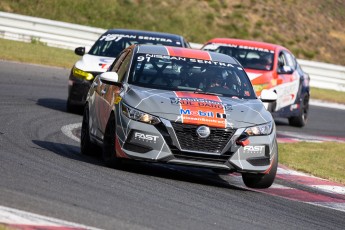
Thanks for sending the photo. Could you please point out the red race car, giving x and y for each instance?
(271, 67)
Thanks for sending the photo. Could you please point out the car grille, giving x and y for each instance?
(189, 139)
(217, 159)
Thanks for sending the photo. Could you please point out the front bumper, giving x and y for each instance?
(176, 143)
(77, 90)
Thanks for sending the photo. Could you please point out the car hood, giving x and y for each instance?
(198, 109)
(92, 63)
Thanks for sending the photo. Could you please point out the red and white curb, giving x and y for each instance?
(316, 191)
(17, 219)
(292, 137)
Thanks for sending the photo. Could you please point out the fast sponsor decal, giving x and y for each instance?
(194, 111)
(145, 137)
(254, 149)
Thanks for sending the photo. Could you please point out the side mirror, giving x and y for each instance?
(285, 70)
(79, 51)
(110, 78)
(268, 96)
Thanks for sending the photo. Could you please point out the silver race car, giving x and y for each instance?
(181, 106)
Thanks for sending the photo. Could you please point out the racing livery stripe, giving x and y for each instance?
(204, 112)
(188, 53)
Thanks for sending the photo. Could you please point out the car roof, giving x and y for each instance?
(144, 33)
(264, 45)
(185, 53)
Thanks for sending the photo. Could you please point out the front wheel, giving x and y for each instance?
(301, 119)
(109, 145)
(86, 146)
(261, 180)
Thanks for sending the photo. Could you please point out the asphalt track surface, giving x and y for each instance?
(42, 171)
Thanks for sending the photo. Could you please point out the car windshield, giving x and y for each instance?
(110, 45)
(249, 57)
(189, 74)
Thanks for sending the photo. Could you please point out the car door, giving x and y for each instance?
(94, 92)
(110, 93)
(97, 104)
(289, 78)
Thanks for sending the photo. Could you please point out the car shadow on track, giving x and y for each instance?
(159, 170)
(68, 151)
(57, 104)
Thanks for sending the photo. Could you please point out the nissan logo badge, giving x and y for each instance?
(203, 131)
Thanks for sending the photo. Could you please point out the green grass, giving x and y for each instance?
(37, 53)
(4, 227)
(328, 95)
(325, 160)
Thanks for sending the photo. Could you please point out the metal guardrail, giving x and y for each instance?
(69, 36)
(53, 33)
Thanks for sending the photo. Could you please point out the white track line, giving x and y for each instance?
(11, 216)
(67, 130)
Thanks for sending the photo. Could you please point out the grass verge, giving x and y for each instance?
(36, 53)
(325, 160)
(328, 95)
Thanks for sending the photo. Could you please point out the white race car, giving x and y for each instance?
(103, 53)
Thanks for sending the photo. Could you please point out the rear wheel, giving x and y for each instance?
(109, 145)
(86, 146)
(261, 180)
(301, 119)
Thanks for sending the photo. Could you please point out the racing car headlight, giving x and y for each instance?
(137, 115)
(264, 129)
(82, 74)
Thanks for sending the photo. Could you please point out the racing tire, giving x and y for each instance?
(301, 119)
(69, 106)
(260, 181)
(109, 145)
(86, 146)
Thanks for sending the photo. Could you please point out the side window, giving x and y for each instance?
(290, 60)
(186, 44)
(116, 64)
(281, 59)
(124, 67)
